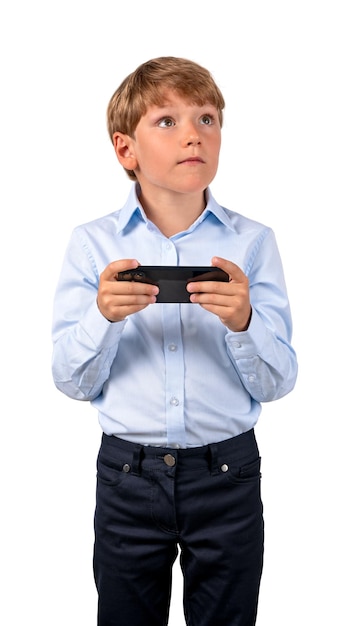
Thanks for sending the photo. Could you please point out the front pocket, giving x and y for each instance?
(108, 472)
(250, 472)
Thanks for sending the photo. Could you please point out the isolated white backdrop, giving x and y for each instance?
(282, 67)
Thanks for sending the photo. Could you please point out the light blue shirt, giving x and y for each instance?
(173, 375)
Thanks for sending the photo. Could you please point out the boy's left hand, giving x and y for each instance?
(229, 301)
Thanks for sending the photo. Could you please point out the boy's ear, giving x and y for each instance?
(123, 145)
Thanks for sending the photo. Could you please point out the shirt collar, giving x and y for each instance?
(133, 210)
(217, 210)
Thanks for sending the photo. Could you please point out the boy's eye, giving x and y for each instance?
(166, 122)
(206, 119)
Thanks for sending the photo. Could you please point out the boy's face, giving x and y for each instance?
(176, 146)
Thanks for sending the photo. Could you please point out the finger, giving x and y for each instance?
(211, 287)
(114, 267)
(234, 271)
(133, 289)
(124, 291)
(116, 304)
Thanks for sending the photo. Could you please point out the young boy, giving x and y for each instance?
(178, 386)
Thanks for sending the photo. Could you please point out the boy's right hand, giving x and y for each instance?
(118, 299)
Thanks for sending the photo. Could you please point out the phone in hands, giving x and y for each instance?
(172, 280)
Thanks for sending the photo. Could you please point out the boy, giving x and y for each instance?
(178, 387)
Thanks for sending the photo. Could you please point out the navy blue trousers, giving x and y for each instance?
(149, 502)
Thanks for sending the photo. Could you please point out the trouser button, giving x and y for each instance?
(169, 460)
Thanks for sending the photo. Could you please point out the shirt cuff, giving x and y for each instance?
(104, 334)
(250, 342)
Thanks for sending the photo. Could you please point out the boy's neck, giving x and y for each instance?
(173, 214)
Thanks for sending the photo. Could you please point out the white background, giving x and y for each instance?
(282, 67)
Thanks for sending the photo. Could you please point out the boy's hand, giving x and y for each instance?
(117, 299)
(229, 301)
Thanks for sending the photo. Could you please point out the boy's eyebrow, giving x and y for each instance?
(165, 104)
(161, 105)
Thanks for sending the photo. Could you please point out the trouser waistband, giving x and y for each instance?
(214, 454)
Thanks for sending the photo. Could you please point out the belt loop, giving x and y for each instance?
(213, 453)
(137, 458)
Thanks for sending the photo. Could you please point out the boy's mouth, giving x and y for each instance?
(192, 160)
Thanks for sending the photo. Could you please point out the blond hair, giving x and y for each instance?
(146, 86)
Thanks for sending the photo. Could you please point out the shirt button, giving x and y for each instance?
(236, 344)
(251, 378)
(174, 401)
(172, 347)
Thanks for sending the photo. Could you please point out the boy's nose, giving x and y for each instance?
(193, 140)
(191, 137)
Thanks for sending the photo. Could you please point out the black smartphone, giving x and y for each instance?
(172, 279)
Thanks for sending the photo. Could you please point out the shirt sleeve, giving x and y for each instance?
(262, 355)
(84, 345)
